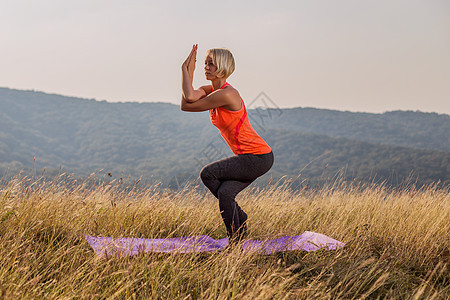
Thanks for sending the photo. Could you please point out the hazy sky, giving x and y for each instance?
(356, 55)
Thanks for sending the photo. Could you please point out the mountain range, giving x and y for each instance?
(159, 142)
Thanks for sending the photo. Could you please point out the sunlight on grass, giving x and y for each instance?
(397, 242)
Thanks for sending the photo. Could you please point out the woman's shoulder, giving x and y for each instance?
(231, 92)
(233, 98)
(230, 97)
(228, 90)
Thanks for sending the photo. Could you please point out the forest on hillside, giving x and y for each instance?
(158, 142)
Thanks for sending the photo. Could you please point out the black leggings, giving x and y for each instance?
(227, 177)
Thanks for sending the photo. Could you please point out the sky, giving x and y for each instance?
(365, 56)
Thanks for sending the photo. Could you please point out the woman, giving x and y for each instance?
(253, 157)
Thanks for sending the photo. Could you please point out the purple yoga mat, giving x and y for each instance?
(308, 241)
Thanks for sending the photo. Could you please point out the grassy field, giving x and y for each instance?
(397, 243)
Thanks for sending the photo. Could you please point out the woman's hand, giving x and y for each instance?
(189, 63)
(187, 71)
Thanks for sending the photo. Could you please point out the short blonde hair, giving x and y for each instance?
(223, 60)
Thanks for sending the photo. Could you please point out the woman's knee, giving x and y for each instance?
(206, 174)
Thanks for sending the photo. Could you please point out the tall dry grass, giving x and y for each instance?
(397, 243)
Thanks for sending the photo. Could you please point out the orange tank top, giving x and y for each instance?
(235, 128)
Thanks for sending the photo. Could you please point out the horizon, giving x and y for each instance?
(164, 102)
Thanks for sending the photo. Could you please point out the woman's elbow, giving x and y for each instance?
(188, 97)
(184, 105)
(187, 109)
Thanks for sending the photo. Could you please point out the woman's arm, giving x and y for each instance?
(187, 72)
(189, 94)
(224, 97)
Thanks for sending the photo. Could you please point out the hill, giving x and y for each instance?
(400, 128)
(157, 141)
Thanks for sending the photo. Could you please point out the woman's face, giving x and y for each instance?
(210, 68)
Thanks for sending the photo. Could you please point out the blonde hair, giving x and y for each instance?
(223, 60)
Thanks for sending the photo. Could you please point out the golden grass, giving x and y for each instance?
(398, 243)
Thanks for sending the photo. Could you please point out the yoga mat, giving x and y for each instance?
(308, 241)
